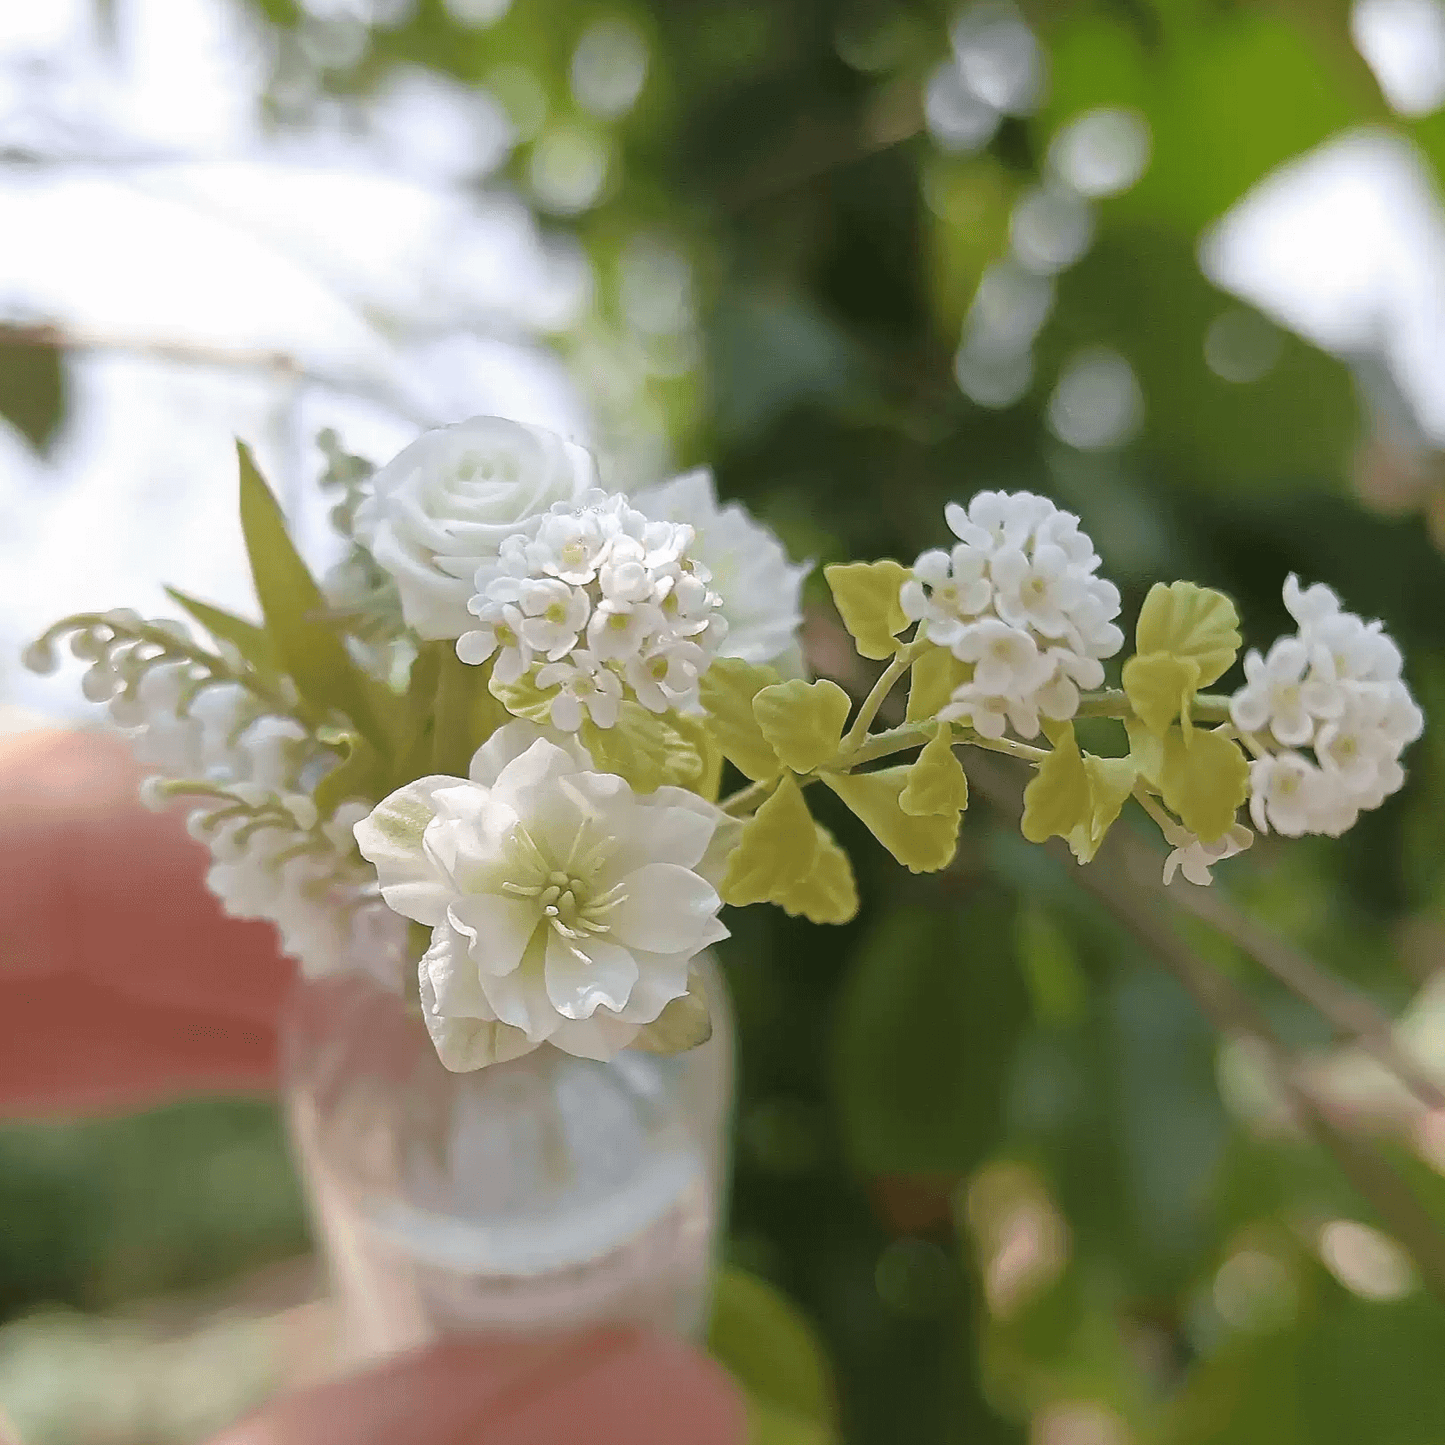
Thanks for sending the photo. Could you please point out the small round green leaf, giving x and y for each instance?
(936, 781)
(1192, 623)
(922, 844)
(1205, 780)
(802, 721)
(728, 688)
(866, 596)
(776, 850)
(1159, 686)
(829, 893)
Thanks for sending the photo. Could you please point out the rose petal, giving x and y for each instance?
(583, 976)
(665, 909)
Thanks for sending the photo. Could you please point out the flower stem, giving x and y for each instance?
(1114, 702)
(854, 738)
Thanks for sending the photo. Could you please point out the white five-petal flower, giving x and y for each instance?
(564, 908)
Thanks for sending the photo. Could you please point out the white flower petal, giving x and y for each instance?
(391, 838)
(498, 929)
(665, 909)
(585, 975)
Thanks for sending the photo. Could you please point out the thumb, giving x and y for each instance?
(614, 1387)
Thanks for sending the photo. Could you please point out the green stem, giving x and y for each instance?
(1114, 702)
(854, 738)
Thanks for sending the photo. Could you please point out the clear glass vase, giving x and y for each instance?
(543, 1194)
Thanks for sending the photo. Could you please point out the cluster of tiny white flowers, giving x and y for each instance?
(249, 772)
(1017, 598)
(601, 603)
(1334, 688)
(1192, 858)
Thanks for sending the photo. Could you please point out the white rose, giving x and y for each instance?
(761, 590)
(442, 507)
(564, 908)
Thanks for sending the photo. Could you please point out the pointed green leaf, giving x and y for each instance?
(1205, 780)
(829, 893)
(1193, 623)
(310, 650)
(248, 639)
(931, 682)
(728, 688)
(1111, 780)
(1057, 800)
(683, 1024)
(802, 721)
(1160, 686)
(644, 749)
(866, 596)
(936, 781)
(776, 850)
(922, 844)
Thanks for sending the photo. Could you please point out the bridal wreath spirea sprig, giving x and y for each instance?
(486, 758)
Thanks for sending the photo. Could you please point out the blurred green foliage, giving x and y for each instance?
(986, 1047)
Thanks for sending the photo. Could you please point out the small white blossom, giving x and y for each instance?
(601, 600)
(1193, 859)
(1335, 689)
(1280, 694)
(564, 908)
(585, 684)
(1018, 597)
(958, 589)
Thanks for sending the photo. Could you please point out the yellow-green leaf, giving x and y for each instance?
(644, 749)
(728, 688)
(1205, 780)
(309, 648)
(931, 681)
(1057, 800)
(1146, 749)
(249, 640)
(866, 596)
(776, 850)
(1111, 780)
(802, 721)
(523, 698)
(829, 893)
(1160, 686)
(936, 781)
(922, 844)
(683, 1024)
(1193, 623)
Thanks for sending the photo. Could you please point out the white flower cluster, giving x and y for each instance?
(213, 741)
(1334, 687)
(598, 601)
(1017, 598)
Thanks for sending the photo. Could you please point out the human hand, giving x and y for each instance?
(122, 983)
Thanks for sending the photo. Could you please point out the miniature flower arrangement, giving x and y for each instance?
(495, 737)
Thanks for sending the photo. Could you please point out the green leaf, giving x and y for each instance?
(927, 1027)
(1111, 781)
(361, 774)
(309, 649)
(1205, 780)
(931, 681)
(683, 1024)
(644, 749)
(866, 596)
(922, 844)
(1192, 623)
(465, 712)
(802, 721)
(829, 892)
(249, 640)
(523, 698)
(1147, 750)
(1057, 799)
(776, 850)
(765, 1342)
(728, 688)
(936, 781)
(1160, 686)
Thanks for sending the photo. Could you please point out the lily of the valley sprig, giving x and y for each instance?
(497, 733)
